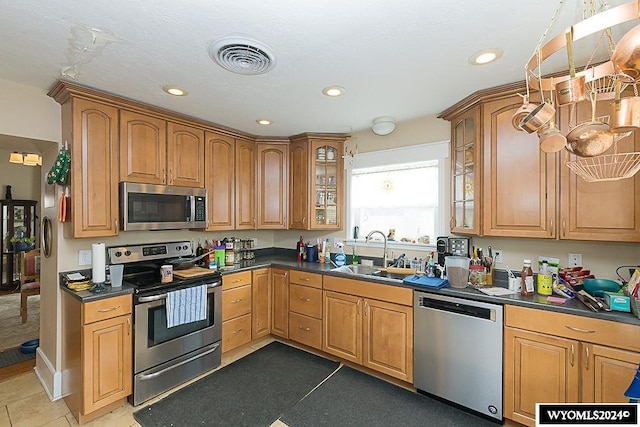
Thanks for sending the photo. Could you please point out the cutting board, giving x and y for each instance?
(191, 272)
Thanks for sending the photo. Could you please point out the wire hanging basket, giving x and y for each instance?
(607, 167)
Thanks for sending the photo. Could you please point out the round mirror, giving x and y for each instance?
(47, 236)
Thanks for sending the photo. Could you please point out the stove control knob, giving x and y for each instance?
(118, 254)
(127, 253)
(178, 248)
(185, 247)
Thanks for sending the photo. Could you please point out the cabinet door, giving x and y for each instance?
(245, 185)
(465, 173)
(388, 339)
(607, 373)
(326, 173)
(143, 148)
(342, 326)
(220, 181)
(93, 208)
(273, 172)
(608, 211)
(519, 182)
(298, 185)
(185, 156)
(537, 368)
(107, 362)
(261, 301)
(280, 302)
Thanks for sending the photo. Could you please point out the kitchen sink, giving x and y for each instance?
(391, 276)
(357, 269)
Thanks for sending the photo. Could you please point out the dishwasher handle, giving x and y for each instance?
(458, 308)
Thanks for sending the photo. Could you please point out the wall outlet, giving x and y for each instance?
(497, 256)
(255, 242)
(575, 260)
(84, 257)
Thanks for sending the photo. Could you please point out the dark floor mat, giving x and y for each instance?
(253, 391)
(352, 398)
(12, 356)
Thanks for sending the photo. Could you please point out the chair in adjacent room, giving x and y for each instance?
(29, 278)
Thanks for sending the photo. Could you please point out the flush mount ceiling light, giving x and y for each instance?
(485, 56)
(333, 91)
(383, 125)
(174, 90)
(242, 55)
(264, 122)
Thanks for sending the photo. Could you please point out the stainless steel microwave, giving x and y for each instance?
(161, 207)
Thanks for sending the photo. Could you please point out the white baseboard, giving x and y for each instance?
(50, 379)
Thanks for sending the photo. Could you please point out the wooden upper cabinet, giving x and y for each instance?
(245, 189)
(143, 153)
(316, 186)
(608, 211)
(466, 191)
(220, 180)
(298, 185)
(92, 130)
(519, 182)
(185, 155)
(272, 190)
(154, 151)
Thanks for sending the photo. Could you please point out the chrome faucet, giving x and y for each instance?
(384, 237)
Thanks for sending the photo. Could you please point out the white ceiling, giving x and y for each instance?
(405, 59)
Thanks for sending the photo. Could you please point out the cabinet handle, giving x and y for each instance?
(365, 308)
(564, 226)
(573, 351)
(305, 280)
(584, 331)
(358, 307)
(586, 350)
(235, 301)
(452, 222)
(551, 224)
(129, 326)
(235, 332)
(106, 310)
(304, 299)
(304, 220)
(304, 329)
(236, 281)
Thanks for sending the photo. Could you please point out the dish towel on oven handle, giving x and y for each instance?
(186, 305)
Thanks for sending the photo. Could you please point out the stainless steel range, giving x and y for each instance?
(165, 357)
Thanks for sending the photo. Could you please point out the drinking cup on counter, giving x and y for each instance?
(116, 275)
(166, 273)
(457, 270)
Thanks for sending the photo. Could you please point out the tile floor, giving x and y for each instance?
(23, 401)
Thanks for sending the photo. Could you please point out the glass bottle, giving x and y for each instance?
(527, 278)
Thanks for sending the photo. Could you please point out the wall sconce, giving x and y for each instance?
(383, 125)
(26, 159)
(15, 157)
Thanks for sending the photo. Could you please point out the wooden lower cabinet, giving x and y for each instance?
(261, 303)
(236, 310)
(280, 302)
(96, 355)
(306, 330)
(561, 358)
(367, 331)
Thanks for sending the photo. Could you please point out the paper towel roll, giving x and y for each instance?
(98, 255)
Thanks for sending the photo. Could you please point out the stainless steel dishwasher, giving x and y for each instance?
(458, 351)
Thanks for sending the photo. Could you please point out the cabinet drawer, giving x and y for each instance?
(236, 280)
(236, 302)
(304, 278)
(305, 300)
(362, 288)
(236, 332)
(106, 308)
(588, 329)
(305, 330)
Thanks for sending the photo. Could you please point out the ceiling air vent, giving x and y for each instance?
(242, 55)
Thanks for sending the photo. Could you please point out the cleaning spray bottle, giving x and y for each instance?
(340, 258)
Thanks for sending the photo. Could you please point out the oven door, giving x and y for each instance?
(155, 343)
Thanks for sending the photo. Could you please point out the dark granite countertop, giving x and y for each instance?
(536, 301)
(88, 296)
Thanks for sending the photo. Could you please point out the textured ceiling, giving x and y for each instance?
(404, 59)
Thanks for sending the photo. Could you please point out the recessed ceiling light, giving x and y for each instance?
(485, 56)
(333, 91)
(174, 90)
(264, 122)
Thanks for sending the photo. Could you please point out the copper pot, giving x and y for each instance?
(625, 112)
(537, 118)
(572, 90)
(551, 140)
(592, 138)
(522, 112)
(626, 56)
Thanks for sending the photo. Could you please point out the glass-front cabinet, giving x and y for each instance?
(326, 167)
(18, 231)
(465, 183)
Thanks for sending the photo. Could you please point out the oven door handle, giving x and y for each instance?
(164, 296)
(168, 368)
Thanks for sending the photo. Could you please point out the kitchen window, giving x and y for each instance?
(400, 189)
